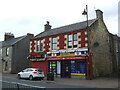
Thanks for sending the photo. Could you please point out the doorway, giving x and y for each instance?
(65, 69)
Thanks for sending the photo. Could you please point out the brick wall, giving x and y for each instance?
(62, 41)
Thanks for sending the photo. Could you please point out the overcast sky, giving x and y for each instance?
(29, 16)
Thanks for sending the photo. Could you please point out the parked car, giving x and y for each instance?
(31, 73)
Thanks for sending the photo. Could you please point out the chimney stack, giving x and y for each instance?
(99, 14)
(47, 26)
(8, 36)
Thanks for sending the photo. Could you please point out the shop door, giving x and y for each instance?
(65, 69)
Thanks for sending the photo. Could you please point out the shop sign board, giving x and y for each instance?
(37, 57)
(67, 54)
(69, 50)
(42, 59)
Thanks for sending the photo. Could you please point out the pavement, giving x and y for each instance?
(99, 82)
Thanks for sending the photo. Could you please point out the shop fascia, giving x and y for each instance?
(69, 50)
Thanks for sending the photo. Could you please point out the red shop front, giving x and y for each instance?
(38, 60)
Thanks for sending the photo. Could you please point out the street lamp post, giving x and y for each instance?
(85, 12)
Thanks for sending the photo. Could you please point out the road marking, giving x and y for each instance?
(23, 84)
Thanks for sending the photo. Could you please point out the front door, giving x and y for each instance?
(65, 69)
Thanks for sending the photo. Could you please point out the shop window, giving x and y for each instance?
(54, 43)
(77, 65)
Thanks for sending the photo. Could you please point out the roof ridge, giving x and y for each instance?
(13, 41)
(71, 24)
(65, 28)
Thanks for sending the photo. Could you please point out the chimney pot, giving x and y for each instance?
(47, 22)
(47, 26)
(99, 14)
(8, 36)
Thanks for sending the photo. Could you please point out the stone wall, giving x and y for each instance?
(6, 59)
(99, 48)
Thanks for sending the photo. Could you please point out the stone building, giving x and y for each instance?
(74, 50)
(115, 51)
(14, 52)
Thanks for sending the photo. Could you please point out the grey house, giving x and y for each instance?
(14, 53)
(115, 51)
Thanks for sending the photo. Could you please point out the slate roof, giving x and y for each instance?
(12, 41)
(65, 29)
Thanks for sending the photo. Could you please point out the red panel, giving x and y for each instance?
(91, 68)
(43, 65)
(66, 58)
(61, 41)
(47, 44)
(82, 36)
(33, 46)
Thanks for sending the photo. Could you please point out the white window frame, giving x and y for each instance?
(39, 45)
(54, 43)
(72, 41)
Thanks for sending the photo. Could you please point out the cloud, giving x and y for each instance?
(29, 16)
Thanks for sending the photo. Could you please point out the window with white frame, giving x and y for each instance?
(75, 42)
(72, 41)
(54, 43)
(39, 45)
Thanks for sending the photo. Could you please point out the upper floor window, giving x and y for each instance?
(54, 43)
(75, 42)
(39, 45)
(7, 51)
(72, 41)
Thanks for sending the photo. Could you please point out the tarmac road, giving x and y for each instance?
(46, 84)
(75, 84)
